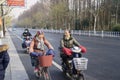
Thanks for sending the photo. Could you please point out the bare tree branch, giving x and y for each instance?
(1, 2)
(7, 12)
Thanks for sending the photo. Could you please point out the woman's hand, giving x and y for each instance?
(50, 52)
(83, 49)
(34, 54)
(30, 50)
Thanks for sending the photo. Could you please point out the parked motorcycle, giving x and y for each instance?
(75, 65)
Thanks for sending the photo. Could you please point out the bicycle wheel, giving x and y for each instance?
(46, 74)
(38, 74)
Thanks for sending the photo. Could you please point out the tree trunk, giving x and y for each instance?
(95, 23)
(116, 18)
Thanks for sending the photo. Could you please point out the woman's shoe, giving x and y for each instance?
(36, 70)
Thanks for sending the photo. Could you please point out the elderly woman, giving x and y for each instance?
(37, 47)
(66, 43)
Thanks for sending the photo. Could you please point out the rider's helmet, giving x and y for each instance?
(76, 49)
(26, 30)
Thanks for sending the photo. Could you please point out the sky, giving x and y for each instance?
(16, 11)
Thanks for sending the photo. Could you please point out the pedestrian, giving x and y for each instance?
(4, 60)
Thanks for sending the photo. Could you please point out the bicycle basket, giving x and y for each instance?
(80, 63)
(45, 61)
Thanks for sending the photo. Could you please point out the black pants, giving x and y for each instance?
(4, 61)
(34, 61)
(65, 59)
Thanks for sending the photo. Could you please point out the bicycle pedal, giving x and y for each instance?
(40, 74)
(36, 74)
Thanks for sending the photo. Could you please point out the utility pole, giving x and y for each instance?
(3, 25)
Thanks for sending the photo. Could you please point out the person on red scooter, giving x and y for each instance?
(66, 43)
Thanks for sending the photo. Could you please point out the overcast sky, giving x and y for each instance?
(18, 10)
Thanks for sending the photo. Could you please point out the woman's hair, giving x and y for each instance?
(39, 33)
(68, 31)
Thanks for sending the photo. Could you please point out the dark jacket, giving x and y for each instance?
(4, 60)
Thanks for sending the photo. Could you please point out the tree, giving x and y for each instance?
(4, 11)
(74, 14)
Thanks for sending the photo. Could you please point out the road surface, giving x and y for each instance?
(103, 55)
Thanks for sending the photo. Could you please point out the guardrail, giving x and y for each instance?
(88, 33)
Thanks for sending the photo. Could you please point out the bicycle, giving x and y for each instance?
(45, 62)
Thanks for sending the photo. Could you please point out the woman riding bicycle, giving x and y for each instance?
(37, 48)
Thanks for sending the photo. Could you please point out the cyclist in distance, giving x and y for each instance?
(26, 33)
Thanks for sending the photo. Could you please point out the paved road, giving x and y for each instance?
(103, 55)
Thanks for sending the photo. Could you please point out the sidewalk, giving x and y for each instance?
(15, 69)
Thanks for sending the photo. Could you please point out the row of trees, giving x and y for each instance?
(36, 16)
(73, 14)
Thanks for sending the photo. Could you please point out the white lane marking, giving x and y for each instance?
(57, 65)
(54, 63)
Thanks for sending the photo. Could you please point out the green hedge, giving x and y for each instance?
(116, 27)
